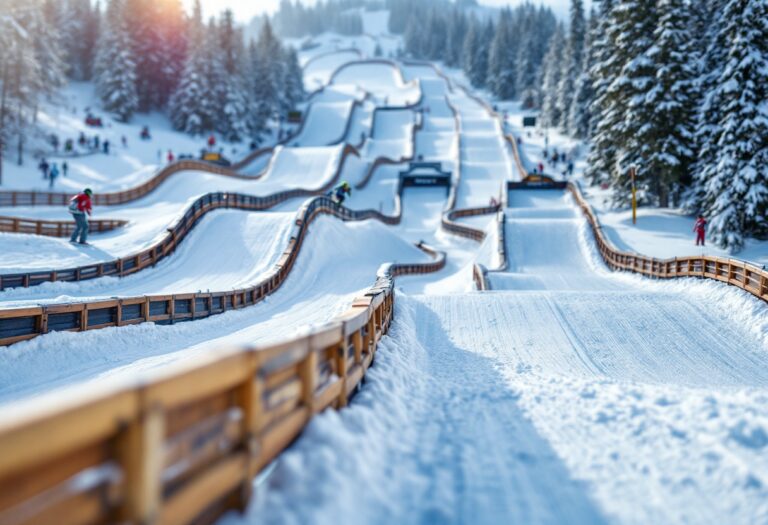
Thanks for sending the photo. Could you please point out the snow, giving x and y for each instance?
(148, 217)
(548, 405)
(337, 262)
(123, 167)
(568, 394)
(659, 232)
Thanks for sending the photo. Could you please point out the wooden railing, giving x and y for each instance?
(747, 276)
(19, 324)
(168, 244)
(479, 271)
(184, 445)
(55, 228)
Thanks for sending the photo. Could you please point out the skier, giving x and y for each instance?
(54, 173)
(211, 141)
(340, 193)
(699, 227)
(78, 207)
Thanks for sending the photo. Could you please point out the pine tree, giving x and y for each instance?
(735, 194)
(265, 75)
(475, 52)
(192, 105)
(228, 63)
(551, 115)
(604, 114)
(456, 32)
(501, 62)
(115, 66)
(580, 115)
(573, 56)
(671, 103)
(293, 83)
(633, 23)
(20, 78)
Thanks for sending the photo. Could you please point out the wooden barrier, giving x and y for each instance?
(18, 324)
(176, 233)
(55, 228)
(183, 445)
(479, 271)
(747, 276)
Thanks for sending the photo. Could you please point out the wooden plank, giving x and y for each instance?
(276, 437)
(200, 381)
(48, 430)
(210, 486)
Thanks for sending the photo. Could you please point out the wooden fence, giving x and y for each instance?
(747, 276)
(168, 244)
(184, 445)
(55, 228)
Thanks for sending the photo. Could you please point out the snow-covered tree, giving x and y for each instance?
(633, 24)
(552, 68)
(580, 114)
(671, 102)
(293, 82)
(573, 56)
(229, 58)
(193, 104)
(735, 183)
(115, 66)
(265, 75)
(604, 114)
(502, 68)
(475, 51)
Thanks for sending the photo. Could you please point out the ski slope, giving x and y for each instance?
(338, 261)
(567, 394)
(148, 217)
(571, 395)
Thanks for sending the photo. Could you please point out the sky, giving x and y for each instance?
(244, 10)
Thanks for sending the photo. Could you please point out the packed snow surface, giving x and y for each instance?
(309, 168)
(584, 398)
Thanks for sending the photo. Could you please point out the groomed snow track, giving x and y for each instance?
(566, 393)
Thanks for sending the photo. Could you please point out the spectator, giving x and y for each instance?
(171, 158)
(106, 147)
(699, 227)
(54, 173)
(64, 168)
(43, 166)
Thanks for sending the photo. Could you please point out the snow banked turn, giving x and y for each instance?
(570, 395)
(567, 395)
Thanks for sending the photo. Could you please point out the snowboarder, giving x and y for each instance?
(211, 141)
(43, 166)
(64, 168)
(170, 156)
(699, 227)
(54, 173)
(79, 206)
(341, 192)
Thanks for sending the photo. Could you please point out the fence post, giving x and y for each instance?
(140, 447)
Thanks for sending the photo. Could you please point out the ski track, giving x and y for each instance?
(574, 396)
(568, 394)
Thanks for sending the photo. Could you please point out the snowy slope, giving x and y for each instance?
(149, 217)
(337, 261)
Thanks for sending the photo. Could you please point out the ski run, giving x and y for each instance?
(566, 393)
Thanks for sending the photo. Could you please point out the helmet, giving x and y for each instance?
(345, 184)
(88, 191)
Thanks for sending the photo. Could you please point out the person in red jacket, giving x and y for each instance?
(79, 206)
(700, 227)
(211, 141)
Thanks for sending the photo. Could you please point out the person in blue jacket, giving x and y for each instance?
(341, 192)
